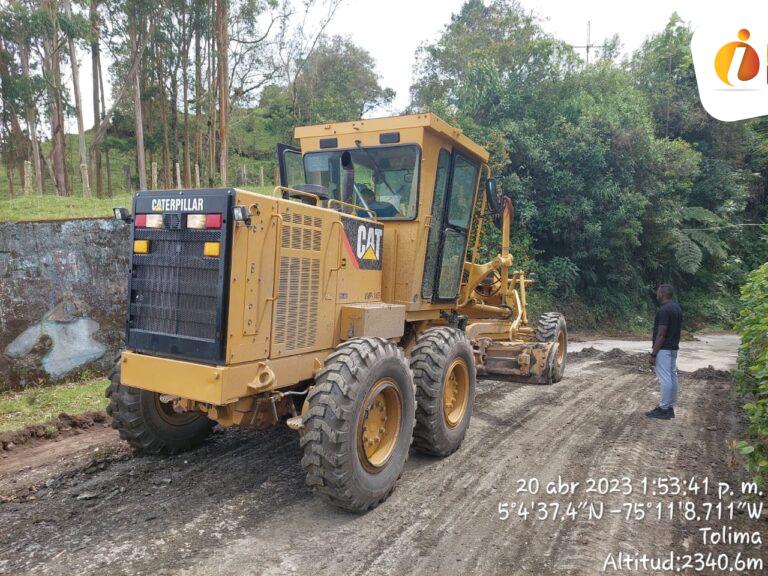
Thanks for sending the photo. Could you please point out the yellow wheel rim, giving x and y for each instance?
(561, 344)
(169, 415)
(379, 425)
(455, 392)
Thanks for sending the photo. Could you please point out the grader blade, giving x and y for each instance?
(532, 362)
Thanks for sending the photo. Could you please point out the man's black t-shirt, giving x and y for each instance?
(671, 316)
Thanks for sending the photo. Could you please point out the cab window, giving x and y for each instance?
(386, 178)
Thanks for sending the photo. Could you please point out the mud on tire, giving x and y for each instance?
(339, 403)
(552, 328)
(148, 426)
(436, 351)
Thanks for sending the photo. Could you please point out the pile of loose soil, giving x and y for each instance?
(632, 362)
(63, 424)
(710, 373)
(584, 353)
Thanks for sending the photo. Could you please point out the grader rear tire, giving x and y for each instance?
(444, 373)
(151, 426)
(552, 328)
(359, 423)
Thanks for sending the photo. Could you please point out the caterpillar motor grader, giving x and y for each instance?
(349, 304)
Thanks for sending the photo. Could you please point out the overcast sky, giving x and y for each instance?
(392, 30)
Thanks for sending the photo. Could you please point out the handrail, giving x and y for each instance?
(276, 268)
(339, 258)
(315, 197)
(353, 206)
(278, 250)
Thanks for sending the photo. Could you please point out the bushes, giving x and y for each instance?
(752, 372)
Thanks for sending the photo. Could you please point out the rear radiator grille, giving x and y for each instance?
(296, 309)
(301, 233)
(174, 289)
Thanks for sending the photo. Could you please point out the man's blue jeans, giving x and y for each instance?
(666, 372)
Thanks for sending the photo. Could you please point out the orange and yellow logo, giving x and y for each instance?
(749, 67)
(731, 61)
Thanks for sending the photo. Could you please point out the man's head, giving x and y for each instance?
(665, 293)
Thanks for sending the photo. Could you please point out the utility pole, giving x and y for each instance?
(589, 46)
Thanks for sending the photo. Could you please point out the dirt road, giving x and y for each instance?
(239, 505)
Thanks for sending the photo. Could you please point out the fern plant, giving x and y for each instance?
(692, 242)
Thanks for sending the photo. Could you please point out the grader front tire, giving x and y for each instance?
(552, 328)
(151, 426)
(359, 424)
(444, 373)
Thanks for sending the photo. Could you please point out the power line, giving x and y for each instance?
(724, 226)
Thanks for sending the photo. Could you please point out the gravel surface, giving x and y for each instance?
(238, 505)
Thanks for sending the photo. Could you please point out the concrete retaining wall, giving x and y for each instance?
(62, 299)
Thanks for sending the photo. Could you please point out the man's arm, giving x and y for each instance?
(661, 334)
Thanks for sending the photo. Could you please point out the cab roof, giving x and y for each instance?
(428, 121)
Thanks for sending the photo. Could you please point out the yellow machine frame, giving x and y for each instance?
(294, 294)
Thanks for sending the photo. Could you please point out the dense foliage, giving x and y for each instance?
(753, 368)
(620, 179)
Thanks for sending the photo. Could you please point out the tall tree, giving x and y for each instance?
(75, 67)
(135, 29)
(52, 48)
(94, 166)
(30, 105)
(222, 81)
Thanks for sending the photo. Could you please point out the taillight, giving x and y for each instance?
(148, 221)
(213, 220)
(201, 221)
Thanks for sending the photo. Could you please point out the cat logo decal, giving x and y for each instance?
(364, 243)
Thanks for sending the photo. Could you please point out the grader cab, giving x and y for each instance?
(349, 304)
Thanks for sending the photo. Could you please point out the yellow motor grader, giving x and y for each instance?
(349, 304)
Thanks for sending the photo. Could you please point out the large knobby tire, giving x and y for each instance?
(150, 426)
(358, 424)
(552, 328)
(444, 373)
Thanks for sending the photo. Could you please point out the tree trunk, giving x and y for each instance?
(140, 157)
(78, 102)
(186, 39)
(222, 44)
(211, 103)
(96, 142)
(163, 119)
(174, 121)
(95, 163)
(52, 71)
(198, 96)
(30, 114)
(136, 58)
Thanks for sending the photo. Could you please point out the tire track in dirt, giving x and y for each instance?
(573, 411)
(239, 505)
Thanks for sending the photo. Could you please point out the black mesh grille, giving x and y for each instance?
(174, 289)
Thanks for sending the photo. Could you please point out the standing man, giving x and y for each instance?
(666, 342)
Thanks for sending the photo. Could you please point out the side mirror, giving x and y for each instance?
(122, 214)
(492, 198)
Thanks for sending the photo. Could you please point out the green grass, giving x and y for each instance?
(253, 138)
(38, 404)
(49, 207)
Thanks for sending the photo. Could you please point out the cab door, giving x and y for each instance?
(290, 165)
(454, 223)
